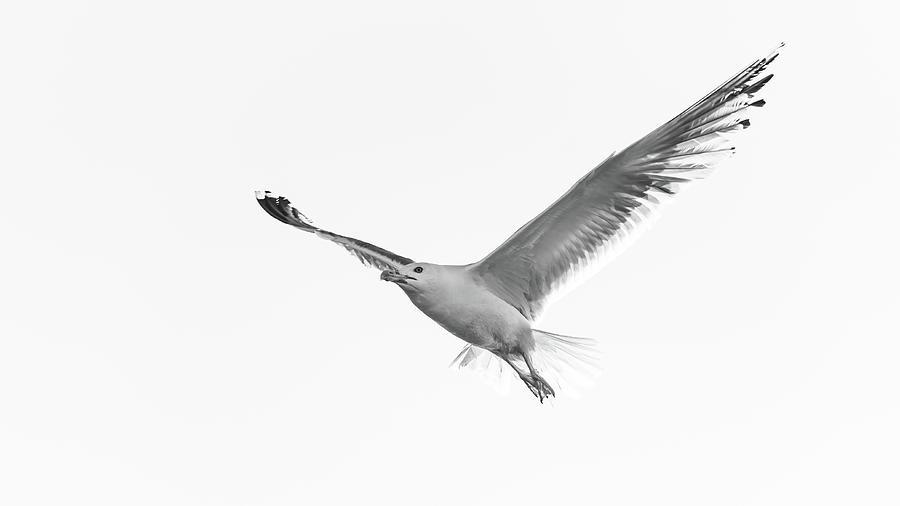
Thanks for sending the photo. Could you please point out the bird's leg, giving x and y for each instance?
(541, 384)
(529, 382)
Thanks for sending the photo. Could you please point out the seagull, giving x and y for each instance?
(493, 304)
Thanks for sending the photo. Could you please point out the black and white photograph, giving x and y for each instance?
(470, 253)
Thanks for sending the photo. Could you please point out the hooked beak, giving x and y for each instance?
(395, 277)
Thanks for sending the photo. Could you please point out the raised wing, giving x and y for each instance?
(370, 255)
(586, 226)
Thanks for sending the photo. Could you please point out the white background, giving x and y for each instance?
(163, 341)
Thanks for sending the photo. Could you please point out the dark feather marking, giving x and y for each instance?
(753, 88)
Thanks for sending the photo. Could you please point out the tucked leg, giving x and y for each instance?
(544, 388)
(529, 382)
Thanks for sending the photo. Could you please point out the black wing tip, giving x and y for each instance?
(773, 54)
(752, 84)
(765, 62)
(280, 208)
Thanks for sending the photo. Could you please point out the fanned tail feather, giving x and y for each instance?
(570, 364)
(486, 366)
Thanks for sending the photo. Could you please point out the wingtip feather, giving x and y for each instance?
(280, 208)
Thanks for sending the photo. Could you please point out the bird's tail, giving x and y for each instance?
(568, 363)
(485, 365)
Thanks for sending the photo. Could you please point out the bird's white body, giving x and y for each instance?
(457, 301)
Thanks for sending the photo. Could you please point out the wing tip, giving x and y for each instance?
(773, 53)
(765, 62)
(280, 208)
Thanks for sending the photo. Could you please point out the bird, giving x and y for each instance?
(493, 304)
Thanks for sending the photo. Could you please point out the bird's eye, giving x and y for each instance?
(417, 270)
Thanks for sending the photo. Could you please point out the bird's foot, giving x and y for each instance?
(540, 388)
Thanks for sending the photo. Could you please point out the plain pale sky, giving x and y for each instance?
(163, 341)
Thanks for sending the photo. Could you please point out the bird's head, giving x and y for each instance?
(416, 276)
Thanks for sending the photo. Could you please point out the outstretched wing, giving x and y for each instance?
(370, 255)
(586, 226)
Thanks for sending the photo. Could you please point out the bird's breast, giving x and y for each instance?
(475, 316)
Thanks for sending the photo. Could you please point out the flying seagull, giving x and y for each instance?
(493, 303)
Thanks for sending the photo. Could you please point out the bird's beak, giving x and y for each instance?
(395, 277)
